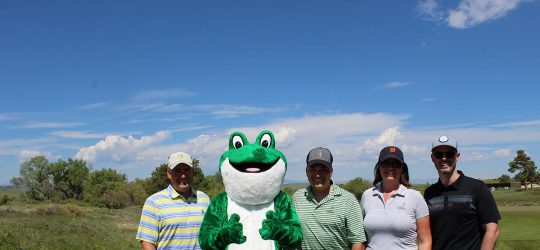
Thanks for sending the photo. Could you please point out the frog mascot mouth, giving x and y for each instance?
(253, 212)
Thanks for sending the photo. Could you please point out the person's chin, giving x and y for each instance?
(446, 170)
(319, 185)
(183, 187)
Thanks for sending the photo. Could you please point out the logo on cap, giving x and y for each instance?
(443, 138)
(392, 150)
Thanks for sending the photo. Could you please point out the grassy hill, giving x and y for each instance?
(76, 225)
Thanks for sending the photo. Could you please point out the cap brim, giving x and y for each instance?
(441, 145)
(172, 165)
(386, 157)
(320, 162)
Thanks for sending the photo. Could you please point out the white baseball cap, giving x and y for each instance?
(179, 157)
(444, 141)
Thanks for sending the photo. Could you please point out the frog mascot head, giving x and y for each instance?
(252, 173)
(253, 212)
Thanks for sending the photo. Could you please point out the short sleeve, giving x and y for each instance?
(355, 221)
(363, 203)
(421, 208)
(149, 224)
(487, 208)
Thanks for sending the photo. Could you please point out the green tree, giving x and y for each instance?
(157, 181)
(35, 179)
(213, 185)
(504, 179)
(106, 187)
(525, 166)
(137, 192)
(356, 186)
(198, 175)
(69, 177)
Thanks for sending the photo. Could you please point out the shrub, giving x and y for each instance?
(76, 209)
(59, 209)
(4, 200)
(116, 198)
(51, 209)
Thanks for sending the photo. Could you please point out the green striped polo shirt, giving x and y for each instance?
(336, 222)
(171, 222)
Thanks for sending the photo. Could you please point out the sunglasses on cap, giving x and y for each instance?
(447, 155)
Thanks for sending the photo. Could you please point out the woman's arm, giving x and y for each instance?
(424, 233)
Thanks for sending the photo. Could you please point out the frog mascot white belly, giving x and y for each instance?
(253, 212)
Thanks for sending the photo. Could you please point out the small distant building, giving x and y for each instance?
(497, 185)
(515, 185)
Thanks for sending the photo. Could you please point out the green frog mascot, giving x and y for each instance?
(253, 212)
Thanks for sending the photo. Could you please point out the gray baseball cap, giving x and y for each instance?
(321, 156)
(444, 140)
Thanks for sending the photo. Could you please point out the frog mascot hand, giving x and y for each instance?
(253, 212)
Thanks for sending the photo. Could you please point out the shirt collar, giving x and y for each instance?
(377, 190)
(335, 190)
(174, 194)
(456, 183)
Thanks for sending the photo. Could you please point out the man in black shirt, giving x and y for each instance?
(463, 213)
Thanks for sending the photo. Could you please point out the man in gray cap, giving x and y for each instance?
(331, 217)
(463, 213)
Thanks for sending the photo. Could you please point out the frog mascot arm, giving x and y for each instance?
(220, 232)
(253, 203)
(283, 227)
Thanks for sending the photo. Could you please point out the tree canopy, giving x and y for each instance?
(525, 167)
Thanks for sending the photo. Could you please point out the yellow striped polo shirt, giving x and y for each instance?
(169, 221)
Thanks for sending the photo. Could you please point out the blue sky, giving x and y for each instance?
(122, 84)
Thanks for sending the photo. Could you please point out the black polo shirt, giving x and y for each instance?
(457, 213)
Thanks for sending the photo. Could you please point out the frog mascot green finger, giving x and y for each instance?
(253, 212)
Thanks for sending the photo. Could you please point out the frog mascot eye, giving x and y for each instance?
(267, 140)
(237, 142)
(253, 212)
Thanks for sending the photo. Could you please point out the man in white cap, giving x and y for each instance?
(171, 218)
(463, 213)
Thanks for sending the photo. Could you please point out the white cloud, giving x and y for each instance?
(50, 124)
(119, 149)
(473, 12)
(428, 99)
(355, 139)
(27, 154)
(503, 152)
(94, 106)
(518, 124)
(190, 111)
(473, 156)
(235, 110)
(162, 94)
(7, 116)
(393, 85)
(468, 13)
(77, 134)
(430, 9)
(191, 128)
(373, 145)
